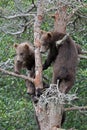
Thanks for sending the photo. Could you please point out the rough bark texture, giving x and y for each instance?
(17, 75)
(60, 19)
(38, 63)
(49, 109)
(49, 115)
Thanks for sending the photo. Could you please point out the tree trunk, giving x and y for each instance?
(60, 19)
(49, 115)
(38, 63)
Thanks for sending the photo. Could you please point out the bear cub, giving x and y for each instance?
(64, 58)
(25, 59)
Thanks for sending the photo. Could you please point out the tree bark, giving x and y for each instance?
(38, 62)
(49, 109)
(60, 18)
(17, 75)
(49, 115)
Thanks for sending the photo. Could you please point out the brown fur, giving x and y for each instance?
(25, 59)
(64, 56)
(79, 50)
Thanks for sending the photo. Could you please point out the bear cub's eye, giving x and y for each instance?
(21, 54)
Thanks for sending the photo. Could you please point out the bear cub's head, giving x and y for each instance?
(45, 40)
(22, 52)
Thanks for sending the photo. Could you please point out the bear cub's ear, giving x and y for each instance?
(42, 31)
(15, 45)
(26, 47)
(49, 34)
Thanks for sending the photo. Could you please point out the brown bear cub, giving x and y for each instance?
(64, 57)
(25, 59)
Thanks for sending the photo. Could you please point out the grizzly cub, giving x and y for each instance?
(25, 59)
(64, 58)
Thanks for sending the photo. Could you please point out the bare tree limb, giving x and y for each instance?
(18, 6)
(14, 33)
(50, 9)
(30, 9)
(23, 28)
(17, 75)
(83, 52)
(76, 108)
(80, 15)
(18, 15)
(82, 56)
(63, 129)
(29, 23)
(74, 11)
(62, 41)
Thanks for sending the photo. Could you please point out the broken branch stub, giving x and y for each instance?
(49, 109)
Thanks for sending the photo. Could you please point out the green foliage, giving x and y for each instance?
(76, 118)
(16, 110)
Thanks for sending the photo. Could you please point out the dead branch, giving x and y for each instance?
(17, 75)
(82, 56)
(18, 15)
(80, 15)
(30, 9)
(74, 11)
(83, 52)
(50, 107)
(76, 108)
(14, 33)
(7, 64)
(50, 9)
(63, 129)
(54, 94)
(63, 39)
(23, 28)
(29, 23)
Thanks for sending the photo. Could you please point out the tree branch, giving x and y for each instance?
(83, 52)
(14, 33)
(62, 41)
(23, 28)
(82, 56)
(17, 4)
(18, 15)
(74, 11)
(76, 108)
(17, 75)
